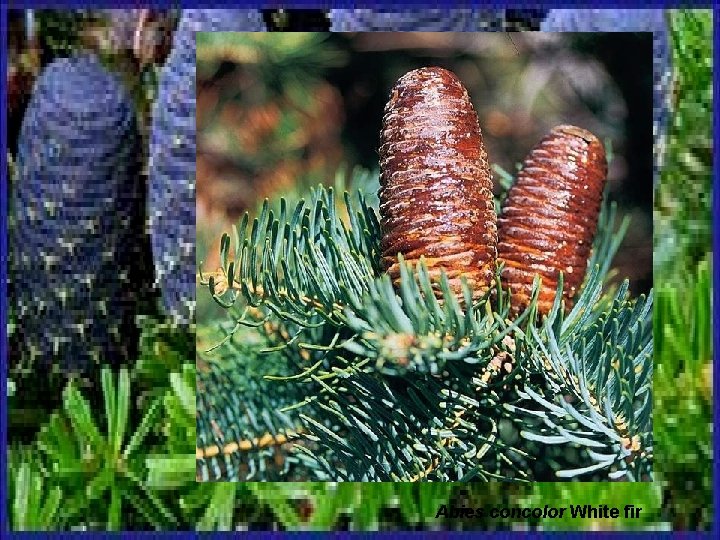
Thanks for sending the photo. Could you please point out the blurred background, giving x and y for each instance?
(277, 110)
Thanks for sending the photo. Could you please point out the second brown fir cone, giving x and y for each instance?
(435, 187)
(550, 217)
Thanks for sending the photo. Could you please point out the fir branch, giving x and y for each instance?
(597, 388)
(302, 264)
(398, 385)
(240, 422)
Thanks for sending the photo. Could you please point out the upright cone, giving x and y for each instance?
(550, 216)
(79, 261)
(436, 188)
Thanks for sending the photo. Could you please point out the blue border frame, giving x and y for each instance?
(3, 275)
(716, 266)
(327, 5)
(349, 4)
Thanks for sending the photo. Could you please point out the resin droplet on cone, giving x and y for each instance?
(436, 188)
(550, 216)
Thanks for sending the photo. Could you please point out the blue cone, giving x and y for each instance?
(416, 20)
(172, 158)
(77, 240)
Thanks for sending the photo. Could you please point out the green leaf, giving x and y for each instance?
(406, 493)
(78, 411)
(121, 415)
(329, 503)
(170, 472)
(100, 483)
(110, 408)
(220, 512)
(267, 493)
(146, 424)
(184, 392)
(21, 518)
(368, 504)
(145, 496)
(114, 512)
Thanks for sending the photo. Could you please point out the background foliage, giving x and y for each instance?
(111, 454)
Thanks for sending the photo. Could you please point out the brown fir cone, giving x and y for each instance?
(550, 216)
(435, 188)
